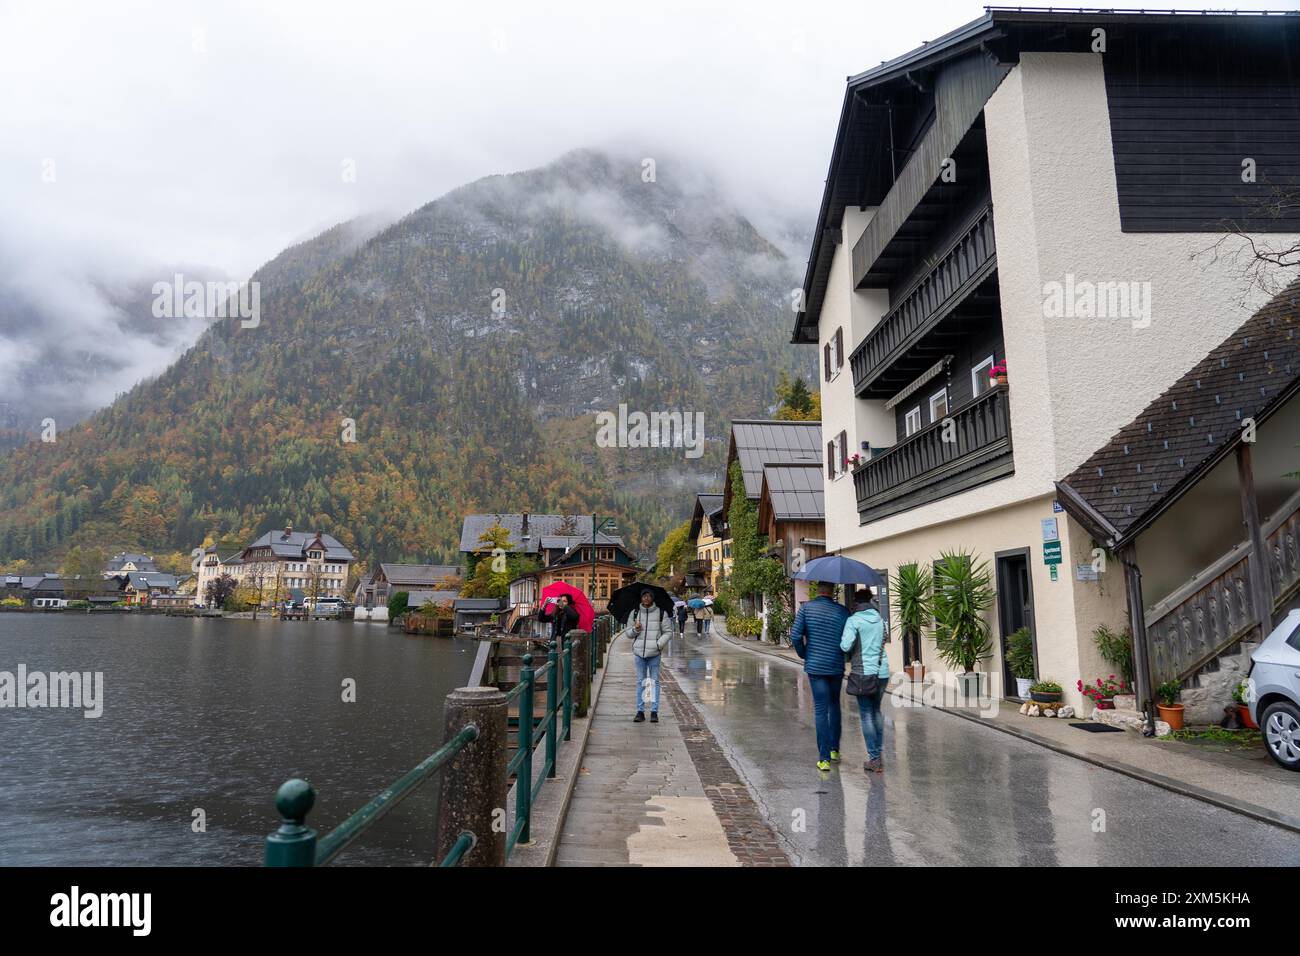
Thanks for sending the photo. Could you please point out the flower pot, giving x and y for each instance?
(915, 672)
(1244, 713)
(1106, 703)
(1046, 697)
(1002, 380)
(1171, 714)
(968, 685)
(1022, 687)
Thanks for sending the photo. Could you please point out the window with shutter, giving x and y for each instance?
(839, 349)
(826, 361)
(830, 459)
(844, 451)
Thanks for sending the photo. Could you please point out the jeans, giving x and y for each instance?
(647, 667)
(873, 723)
(707, 622)
(826, 712)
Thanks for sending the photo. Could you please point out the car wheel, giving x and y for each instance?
(1281, 726)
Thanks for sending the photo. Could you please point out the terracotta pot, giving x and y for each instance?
(915, 673)
(1002, 380)
(1171, 714)
(1244, 713)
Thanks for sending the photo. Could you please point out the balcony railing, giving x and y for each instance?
(704, 567)
(959, 270)
(939, 460)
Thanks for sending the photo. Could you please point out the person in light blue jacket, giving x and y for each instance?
(864, 638)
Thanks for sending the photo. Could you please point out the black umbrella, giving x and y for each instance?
(623, 601)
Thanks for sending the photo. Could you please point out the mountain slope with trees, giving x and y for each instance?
(466, 349)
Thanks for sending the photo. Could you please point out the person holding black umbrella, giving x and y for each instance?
(650, 630)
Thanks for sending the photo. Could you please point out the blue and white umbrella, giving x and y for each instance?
(838, 569)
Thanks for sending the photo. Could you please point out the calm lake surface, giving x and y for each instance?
(215, 714)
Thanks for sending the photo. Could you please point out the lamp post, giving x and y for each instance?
(595, 529)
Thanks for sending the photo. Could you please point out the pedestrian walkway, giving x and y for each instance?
(640, 799)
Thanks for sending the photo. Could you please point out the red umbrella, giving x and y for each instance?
(586, 614)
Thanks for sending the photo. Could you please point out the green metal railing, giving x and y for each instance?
(296, 844)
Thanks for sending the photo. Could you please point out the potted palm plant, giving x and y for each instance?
(962, 595)
(912, 606)
(1020, 658)
(1170, 711)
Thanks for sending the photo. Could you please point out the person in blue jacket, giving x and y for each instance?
(864, 637)
(818, 627)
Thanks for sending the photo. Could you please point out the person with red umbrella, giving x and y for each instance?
(566, 608)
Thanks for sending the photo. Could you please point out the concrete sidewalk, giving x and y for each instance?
(1245, 781)
(640, 799)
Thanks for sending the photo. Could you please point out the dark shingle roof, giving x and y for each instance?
(539, 526)
(1178, 437)
(796, 492)
(294, 545)
(426, 575)
(706, 506)
(419, 598)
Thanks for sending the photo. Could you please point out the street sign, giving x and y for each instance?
(1051, 552)
(1056, 506)
(1050, 532)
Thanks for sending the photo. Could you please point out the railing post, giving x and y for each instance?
(580, 650)
(294, 844)
(472, 786)
(524, 776)
(552, 703)
(566, 658)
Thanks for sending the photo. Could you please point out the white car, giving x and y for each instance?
(1274, 691)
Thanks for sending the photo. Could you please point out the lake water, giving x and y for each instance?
(213, 715)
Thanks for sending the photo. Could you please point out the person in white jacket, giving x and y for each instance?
(650, 629)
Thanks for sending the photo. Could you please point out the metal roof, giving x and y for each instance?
(760, 443)
(795, 491)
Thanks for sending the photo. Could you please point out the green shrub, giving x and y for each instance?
(1046, 687)
(1020, 654)
(11, 602)
(397, 604)
(1168, 692)
(1116, 649)
(740, 626)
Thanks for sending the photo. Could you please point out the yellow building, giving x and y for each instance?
(712, 540)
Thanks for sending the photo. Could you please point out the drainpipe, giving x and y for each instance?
(1138, 625)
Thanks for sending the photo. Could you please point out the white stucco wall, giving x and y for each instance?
(855, 312)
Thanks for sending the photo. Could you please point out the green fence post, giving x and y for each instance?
(567, 656)
(552, 704)
(294, 844)
(524, 776)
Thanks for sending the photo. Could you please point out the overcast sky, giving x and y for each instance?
(138, 135)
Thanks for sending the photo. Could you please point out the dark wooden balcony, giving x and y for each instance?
(925, 468)
(959, 270)
(703, 567)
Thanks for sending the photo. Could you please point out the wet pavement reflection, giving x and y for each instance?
(953, 792)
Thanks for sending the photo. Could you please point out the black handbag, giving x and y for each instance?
(865, 685)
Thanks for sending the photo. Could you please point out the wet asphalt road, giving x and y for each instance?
(953, 792)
